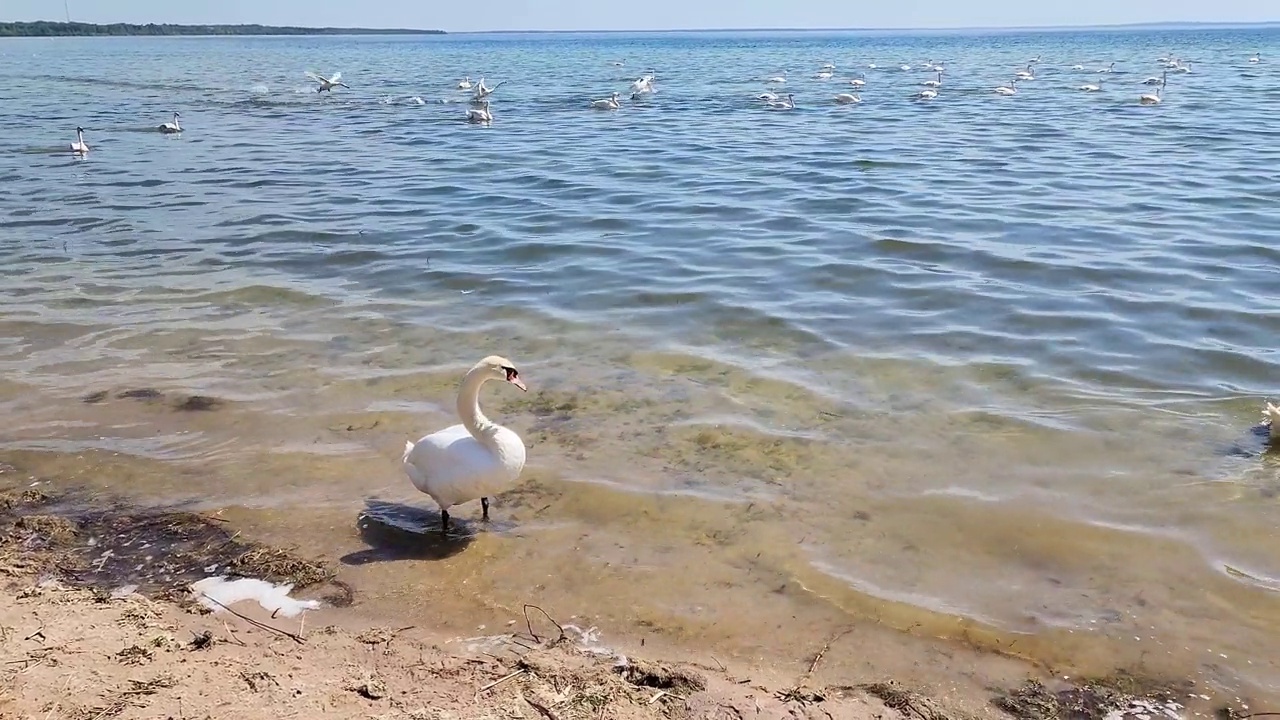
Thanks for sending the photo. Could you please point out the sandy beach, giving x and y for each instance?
(99, 619)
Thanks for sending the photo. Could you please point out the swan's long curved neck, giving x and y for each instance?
(473, 419)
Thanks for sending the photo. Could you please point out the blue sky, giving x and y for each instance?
(646, 14)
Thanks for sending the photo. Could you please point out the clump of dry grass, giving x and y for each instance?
(10, 499)
(281, 565)
(134, 655)
(1091, 699)
(43, 531)
(907, 702)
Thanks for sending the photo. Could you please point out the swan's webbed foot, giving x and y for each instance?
(444, 522)
(484, 508)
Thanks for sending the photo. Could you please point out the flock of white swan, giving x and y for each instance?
(479, 110)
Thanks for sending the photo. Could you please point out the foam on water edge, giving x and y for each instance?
(218, 593)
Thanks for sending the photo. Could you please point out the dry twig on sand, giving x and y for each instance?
(292, 636)
(529, 623)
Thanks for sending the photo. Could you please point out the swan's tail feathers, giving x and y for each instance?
(408, 448)
(1272, 415)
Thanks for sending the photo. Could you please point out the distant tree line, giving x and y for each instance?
(45, 28)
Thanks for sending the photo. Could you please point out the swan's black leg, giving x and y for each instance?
(444, 522)
(484, 504)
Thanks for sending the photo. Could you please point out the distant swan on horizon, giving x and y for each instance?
(1108, 69)
(476, 458)
(171, 127)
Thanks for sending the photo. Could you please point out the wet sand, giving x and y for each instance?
(89, 634)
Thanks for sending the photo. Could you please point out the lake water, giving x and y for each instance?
(980, 364)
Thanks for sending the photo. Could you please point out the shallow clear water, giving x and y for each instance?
(988, 358)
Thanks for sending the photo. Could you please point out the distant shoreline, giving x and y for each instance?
(44, 28)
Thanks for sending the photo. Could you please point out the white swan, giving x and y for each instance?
(1091, 87)
(934, 83)
(480, 113)
(465, 83)
(927, 94)
(483, 91)
(767, 97)
(1108, 69)
(847, 98)
(609, 104)
(1026, 74)
(872, 66)
(1010, 89)
(858, 82)
(823, 75)
(904, 67)
(80, 147)
(328, 83)
(1151, 99)
(474, 459)
(1077, 66)
(1272, 415)
(778, 79)
(1035, 59)
(1153, 80)
(1257, 58)
(789, 103)
(172, 127)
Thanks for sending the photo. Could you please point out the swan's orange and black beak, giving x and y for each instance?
(513, 377)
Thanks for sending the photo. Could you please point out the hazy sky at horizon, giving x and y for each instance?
(647, 15)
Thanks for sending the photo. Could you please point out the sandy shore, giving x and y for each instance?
(99, 620)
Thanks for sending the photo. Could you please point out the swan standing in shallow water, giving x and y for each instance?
(80, 147)
(172, 127)
(328, 83)
(474, 459)
(609, 104)
(1272, 415)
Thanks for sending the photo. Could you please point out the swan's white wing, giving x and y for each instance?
(314, 76)
(452, 467)
(336, 77)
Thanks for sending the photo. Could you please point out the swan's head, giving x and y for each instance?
(79, 129)
(496, 367)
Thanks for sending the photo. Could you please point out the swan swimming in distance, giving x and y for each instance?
(1152, 99)
(934, 83)
(1091, 87)
(858, 82)
(1257, 58)
(483, 91)
(1077, 66)
(1108, 69)
(778, 79)
(609, 104)
(1010, 89)
(171, 127)
(927, 94)
(476, 458)
(80, 147)
(767, 97)
(465, 83)
(788, 103)
(480, 113)
(847, 99)
(328, 83)
(1026, 74)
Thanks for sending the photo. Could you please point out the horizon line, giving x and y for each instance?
(941, 28)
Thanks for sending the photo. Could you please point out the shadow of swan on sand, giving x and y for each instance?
(396, 531)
